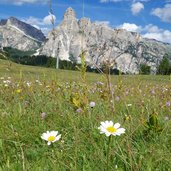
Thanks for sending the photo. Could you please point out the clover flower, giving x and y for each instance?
(79, 110)
(43, 115)
(168, 103)
(92, 104)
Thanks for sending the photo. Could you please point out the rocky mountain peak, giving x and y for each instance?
(101, 42)
(3, 22)
(12, 20)
(69, 14)
(26, 28)
(20, 35)
(84, 22)
(69, 22)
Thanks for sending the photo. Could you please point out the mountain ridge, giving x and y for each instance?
(128, 49)
(17, 34)
(72, 35)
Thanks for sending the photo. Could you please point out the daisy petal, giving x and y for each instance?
(103, 124)
(54, 133)
(110, 123)
(107, 134)
(49, 143)
(58, 137)
(121, 130)
(117, 125)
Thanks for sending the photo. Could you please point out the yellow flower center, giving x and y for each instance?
(18, 91)
(51, 138)
(111, 129)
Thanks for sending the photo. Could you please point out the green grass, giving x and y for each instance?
(82, 147)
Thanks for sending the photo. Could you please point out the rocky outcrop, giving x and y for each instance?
(17, 34)
(128, 49)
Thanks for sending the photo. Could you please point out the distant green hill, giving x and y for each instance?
(15, 53)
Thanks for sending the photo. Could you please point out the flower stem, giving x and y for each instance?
(108, 150)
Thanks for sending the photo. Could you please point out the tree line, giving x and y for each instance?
(163, 68)
(27, 58)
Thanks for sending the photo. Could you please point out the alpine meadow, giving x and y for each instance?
(34, 100)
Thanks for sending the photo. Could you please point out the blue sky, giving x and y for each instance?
(151, 18)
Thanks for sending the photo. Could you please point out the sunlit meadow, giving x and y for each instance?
(35, 100)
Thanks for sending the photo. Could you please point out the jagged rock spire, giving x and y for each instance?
(69, 14)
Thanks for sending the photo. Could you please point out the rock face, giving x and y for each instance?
(128, 49)
(17, 34)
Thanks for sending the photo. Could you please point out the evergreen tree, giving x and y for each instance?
(145, 69)
(164, 66)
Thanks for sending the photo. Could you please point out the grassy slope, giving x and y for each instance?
(81, 146)
(9, 68)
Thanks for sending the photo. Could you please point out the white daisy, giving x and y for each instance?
(51, 136)
(109, 128)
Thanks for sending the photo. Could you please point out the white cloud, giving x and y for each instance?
(130, 27)
(34, 21)
(153, 32)
(163, 13)
(46, 30)
(136, 8)
(105, 1)
(49, 20)
(149, 31)
(45, 24)
(21, 2)
(168, 1)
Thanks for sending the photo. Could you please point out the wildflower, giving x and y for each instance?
(43, 114)
(127, 93)
(26, 103)
(51, 136)
(109, 128)
(92, 104)
(117, 98)
(116, 166)
(18, 91)
(6, 81)
(129, 105)
(166, 118)
(168, 103)
(126, 118)
(100, 83)
(152, 92)
(28, 84)
(79, 110)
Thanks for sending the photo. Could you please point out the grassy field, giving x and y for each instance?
(34, 100)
